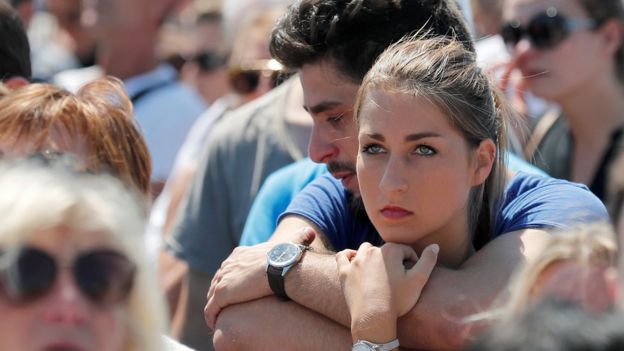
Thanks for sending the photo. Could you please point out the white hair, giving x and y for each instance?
(36, 197)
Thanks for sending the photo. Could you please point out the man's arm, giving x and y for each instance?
(437, 320)
(270, 324)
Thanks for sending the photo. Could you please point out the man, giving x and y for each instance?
(15, 69)
(333, 44)
(127, 33)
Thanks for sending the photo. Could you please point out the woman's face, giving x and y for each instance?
(414, 169)
(569, 67)
(63, 318)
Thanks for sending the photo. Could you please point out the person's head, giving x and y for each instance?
(432, 145)
(14, 46)
(251, 70)
(562, 47)
(572, 266)
(555, 325)
(72, 270)
(333, 43)
(94, 126)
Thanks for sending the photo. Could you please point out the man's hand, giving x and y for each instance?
(381, 284)
(242, 277)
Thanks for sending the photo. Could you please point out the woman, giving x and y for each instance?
(94, 129)
(72, 274)
(571, 53)
(432, 177)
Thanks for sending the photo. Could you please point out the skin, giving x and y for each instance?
(64, 316)
(434, 323)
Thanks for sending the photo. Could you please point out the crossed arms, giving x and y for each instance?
(240, 298)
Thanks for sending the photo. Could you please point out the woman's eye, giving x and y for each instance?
(425, 150)
(372, 149)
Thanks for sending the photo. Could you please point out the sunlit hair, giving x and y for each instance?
(36, 197)
(96, 123)
(589, 245)
(444, 72)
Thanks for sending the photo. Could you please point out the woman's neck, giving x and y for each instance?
(454, 240)
(596, 111)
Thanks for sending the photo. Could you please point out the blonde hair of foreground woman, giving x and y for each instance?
(574, 265)
(36, 198)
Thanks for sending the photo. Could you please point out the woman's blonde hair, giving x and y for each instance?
(98, 120)
(36, 198)
(589, 245)
(443, 71)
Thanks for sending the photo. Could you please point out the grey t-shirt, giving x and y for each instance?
(245, 147)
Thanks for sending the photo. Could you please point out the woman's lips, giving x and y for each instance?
(395, 212)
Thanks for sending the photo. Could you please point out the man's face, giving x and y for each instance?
(329, 98)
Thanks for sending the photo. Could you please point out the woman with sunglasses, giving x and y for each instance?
(72, 274)
(433, 179)
(570, 52)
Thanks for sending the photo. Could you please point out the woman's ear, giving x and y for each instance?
(611, 33)
(485, 156)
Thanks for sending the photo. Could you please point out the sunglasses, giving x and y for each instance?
(103, 276)
(545, 30)
(245, 79)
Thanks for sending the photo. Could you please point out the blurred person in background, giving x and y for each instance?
(570, 52)
(93, 129)
(72, 271)
(126, 34)
(235, 155)
(60, 38)
(15, 66)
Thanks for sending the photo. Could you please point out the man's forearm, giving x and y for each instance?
(438, 321)
(314, 284)
(270, 324)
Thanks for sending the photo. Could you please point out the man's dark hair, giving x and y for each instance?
(556, 325)
(14, 47)
(352, 33)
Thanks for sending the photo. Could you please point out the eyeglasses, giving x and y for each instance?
(245, 79)
(209, 60)
(545, 30)
(103, 276)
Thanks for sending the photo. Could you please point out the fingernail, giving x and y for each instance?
(435, 248)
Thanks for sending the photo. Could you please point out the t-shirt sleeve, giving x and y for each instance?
(272, 199)
(541, 202)
(324, 202)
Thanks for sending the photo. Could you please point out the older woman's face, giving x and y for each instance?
(63, 318)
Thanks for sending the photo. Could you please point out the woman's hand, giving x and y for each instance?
(378, 287)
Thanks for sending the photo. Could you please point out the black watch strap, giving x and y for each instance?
(276, 282)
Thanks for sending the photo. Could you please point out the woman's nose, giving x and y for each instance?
(65, 303)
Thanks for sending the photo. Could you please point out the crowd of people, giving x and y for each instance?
(311, 174)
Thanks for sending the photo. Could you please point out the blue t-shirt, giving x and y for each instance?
(275, 196)
(531, 201)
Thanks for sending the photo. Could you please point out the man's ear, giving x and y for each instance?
(15, 82)
(484, 158)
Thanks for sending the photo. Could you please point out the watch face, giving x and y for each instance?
(284, 254)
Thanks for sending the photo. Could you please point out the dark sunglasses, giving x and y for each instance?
(245, 80)
(209, 60)
(545, 30)
(103, 276)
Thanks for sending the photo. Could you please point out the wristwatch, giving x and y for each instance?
(363, 345)
(280, 259)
